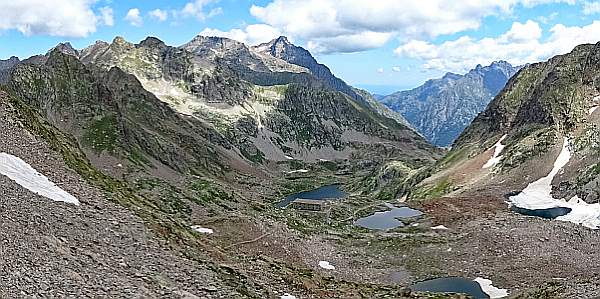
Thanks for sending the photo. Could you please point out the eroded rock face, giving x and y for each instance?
(281, 48)
(6, 66)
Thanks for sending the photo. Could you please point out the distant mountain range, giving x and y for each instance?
(441, 108)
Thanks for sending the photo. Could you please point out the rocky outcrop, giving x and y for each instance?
(6, 66)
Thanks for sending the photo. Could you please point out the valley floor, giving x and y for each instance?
(531, 257)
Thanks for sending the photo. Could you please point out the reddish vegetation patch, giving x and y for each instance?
(452, 210)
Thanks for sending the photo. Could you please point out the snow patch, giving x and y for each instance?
(29, 178)
(287, 296)
(326, 265)
(592, 109)
(439, 227)
(496, 157)
(489, 289)
(538, 195)
(202, 230)
(298, 171)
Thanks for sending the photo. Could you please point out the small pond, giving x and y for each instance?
(322, 193)
(388, 219)
(451, 285)
(551, 213)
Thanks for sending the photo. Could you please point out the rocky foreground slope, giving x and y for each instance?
(442, 108)
(95, 249)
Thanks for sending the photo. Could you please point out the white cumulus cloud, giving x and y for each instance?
(523, 43)
(252, 34)
(107, 16)
(357, 25)
(159, 14)
(198, 9)
(67, 18)
(134, 18)
(349, 43)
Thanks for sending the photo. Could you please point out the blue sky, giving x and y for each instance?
(384, 45)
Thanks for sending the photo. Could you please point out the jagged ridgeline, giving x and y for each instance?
(542, 103)
(210, 107)
(442, 108)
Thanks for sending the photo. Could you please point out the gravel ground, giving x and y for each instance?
(97, 249)
(517, 252)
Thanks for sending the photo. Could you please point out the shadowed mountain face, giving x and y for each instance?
(440, 109)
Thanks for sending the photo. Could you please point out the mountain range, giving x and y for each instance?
(442, 108)
(157, 171)
(177, 136)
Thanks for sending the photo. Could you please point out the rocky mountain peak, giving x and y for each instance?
(213, 42)
(282, 40)
(13, 60)
(282, 48)
(6, 66)
(501, 64)
(66, 48)
(119, 40)
(278, 46)
(453, 76)
(152, 42)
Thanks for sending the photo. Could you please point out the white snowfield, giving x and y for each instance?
(538, 195)
(489, 289)
(496, 157)
(326, 265)
(29, 178)
(439, 227)
(287, 296)
(202, 230)
(595, 103)
(298, 171)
